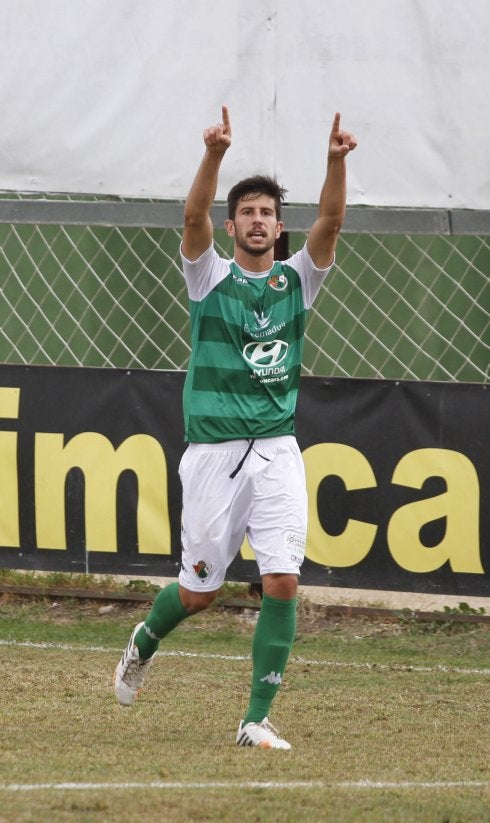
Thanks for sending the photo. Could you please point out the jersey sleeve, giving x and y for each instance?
(203, 274)
(311, 277)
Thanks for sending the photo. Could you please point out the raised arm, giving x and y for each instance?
(322, 238)
(198, 228)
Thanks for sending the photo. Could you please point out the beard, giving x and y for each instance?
(256, 251)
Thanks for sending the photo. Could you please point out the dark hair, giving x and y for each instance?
(252, 187)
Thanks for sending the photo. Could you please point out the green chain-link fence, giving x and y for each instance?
(79, 286)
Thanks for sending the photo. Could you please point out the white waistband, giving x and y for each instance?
(239, 445)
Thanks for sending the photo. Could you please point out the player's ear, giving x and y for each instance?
(279, 228)
(230, 227)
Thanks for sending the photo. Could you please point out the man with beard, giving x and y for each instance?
(242, 472)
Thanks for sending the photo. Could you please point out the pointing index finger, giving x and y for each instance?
(226, 119)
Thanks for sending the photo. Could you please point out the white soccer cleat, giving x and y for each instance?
(130, 673)
(263, 735)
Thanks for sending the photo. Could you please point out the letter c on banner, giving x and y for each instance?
(352, 546)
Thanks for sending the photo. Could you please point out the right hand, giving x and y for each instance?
(218, 138)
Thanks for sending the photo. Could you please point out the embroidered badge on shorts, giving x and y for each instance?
(202, 569)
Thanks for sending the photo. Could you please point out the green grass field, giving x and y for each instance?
(388, 720)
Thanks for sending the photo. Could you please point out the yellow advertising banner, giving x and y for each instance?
(397, 475)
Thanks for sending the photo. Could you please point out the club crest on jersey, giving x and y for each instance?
(202, 569)
(278, 282)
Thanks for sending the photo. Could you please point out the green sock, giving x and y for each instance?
(166, 613)
(273, 639)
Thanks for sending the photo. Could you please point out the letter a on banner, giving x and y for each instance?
(459, 505)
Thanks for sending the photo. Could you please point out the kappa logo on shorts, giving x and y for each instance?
(202, 569)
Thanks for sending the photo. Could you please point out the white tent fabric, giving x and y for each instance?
(112, 96)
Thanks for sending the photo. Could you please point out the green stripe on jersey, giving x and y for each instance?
(235, 381)
(235, 428)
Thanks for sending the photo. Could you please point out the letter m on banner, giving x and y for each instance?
(102, 465)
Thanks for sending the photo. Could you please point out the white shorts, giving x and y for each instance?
(266, 500)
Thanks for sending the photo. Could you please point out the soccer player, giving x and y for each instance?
(242, 472)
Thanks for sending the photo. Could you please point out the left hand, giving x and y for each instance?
(340, 142)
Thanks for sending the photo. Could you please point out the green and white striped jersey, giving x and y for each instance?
(247, 334)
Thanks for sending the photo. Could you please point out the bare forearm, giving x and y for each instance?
(203, 190)
(331, 208)
(322, 238)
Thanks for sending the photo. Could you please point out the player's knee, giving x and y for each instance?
(195, 602)
(282, 586)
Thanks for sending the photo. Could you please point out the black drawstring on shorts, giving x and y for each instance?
(242, 461)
